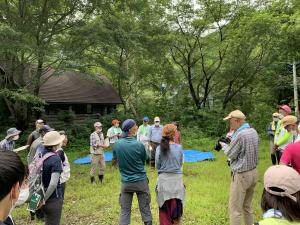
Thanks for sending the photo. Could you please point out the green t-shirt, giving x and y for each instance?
(274, 221)
(131, 156)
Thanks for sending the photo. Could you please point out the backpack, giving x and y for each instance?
(36, 187)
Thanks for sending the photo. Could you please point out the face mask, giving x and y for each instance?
(15, 137)
(275, 119)
(156, 123)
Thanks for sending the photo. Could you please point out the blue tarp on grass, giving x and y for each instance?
(189, 156)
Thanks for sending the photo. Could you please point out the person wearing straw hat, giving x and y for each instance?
(271, 132)
(291, 153)
(243, 154)
(282, 136)
(170, 189)
(97, 145)
(52, 168)
(281, 196)
(8, 143)
(131, 156)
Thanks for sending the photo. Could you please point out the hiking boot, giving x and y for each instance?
(101, 178)
(92, 180)
(148, 223)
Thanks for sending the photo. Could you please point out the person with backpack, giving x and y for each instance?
(280, 200)
(170, 190)
(51, 202)
(8, 143)
(12, 173)
(131, 156)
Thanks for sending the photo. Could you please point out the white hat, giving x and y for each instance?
(97, 124)
(156, 119)
(53, 138)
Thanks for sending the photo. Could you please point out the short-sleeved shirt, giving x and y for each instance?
(131, 156)
(291, 156)
(113, 131)
(170, 163)
(52, 165)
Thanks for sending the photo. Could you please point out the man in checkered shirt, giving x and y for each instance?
(243, 155)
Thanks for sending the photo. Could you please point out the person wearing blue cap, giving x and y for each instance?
(143, 134)
(131, 156)
(8, 143)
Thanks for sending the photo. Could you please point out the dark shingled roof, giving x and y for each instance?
(73, 87)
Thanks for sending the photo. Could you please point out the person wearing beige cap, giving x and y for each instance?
(282, 136)
(52, 168)
(281, 196)
(271, 132)
(243, 155)
(155, 135)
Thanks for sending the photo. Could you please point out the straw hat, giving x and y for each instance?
(53, 138)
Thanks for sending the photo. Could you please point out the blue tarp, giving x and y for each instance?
(189, 156)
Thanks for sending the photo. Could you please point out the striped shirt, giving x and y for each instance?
(243, 151)
(7, 145)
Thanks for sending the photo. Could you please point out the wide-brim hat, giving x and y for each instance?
(12, 132)
(52, 138)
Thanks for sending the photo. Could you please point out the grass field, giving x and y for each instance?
(207, 192)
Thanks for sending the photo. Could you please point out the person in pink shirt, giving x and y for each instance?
(291, 154)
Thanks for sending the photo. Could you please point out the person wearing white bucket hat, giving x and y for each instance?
(52, 168)
(12, 135)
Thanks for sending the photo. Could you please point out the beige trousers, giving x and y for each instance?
(97, 161)
(241, 195)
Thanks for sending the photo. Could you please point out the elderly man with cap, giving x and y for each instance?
(38, 143)
(143, 134)
(35, 134)
(281, 196)
(114, 132)
(291, 153)
(131, 156)
(243, 154)
(97, 145)
(282, 136)
(271, 132)
(8, 143)
(155, 138)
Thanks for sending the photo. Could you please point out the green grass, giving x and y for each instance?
(207, 192)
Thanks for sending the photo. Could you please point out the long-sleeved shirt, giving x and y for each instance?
(170, 163)
(156, 133)
(143, 133)
(131, 156)
(7, 145)
(96, 140)
(282, 136)
(243, 150)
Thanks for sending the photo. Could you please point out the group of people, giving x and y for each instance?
(281, 195)
(46, 160)
(132, 146)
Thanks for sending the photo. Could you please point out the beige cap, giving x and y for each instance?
(53, 138)
(235, 114)
(156, 119)
(97, 124)
(288, 120)
(283, 177)
(275, 114)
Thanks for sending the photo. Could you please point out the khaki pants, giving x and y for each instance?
(97, 161)
(241, 195)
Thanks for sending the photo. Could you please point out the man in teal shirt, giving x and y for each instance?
(131, 156)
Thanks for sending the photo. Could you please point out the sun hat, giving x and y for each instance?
(288, 120)
(283, 177)
(146, 119)
(12, 132)
(286, 108)
(156, 119)
(169, 130)
(115, 121)
(52, 138)
(235, 114)
(97, 124)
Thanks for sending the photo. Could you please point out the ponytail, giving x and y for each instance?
(164, 145)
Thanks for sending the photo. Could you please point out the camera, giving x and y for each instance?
(218, 146)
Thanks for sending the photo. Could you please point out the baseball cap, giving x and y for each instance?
(235, 114)
(288, 120)
(45, 129)
(97, 124)
(39, 121)
(146, 119)
(275, 114)
(286, 108)
(156, 119)
(283, 177)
